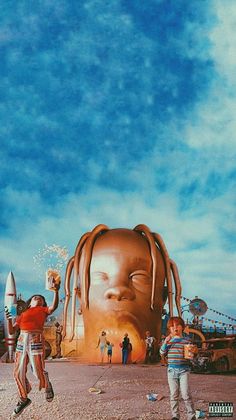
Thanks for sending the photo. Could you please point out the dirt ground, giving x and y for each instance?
(124, 390)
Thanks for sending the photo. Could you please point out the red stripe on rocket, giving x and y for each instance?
(10, 300)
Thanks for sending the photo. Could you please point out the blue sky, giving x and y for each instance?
(120, 112)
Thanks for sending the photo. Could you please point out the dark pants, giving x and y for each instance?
(149, 354)
(125, 353)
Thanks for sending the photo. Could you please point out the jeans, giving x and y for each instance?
(178, 381)
(125, 353)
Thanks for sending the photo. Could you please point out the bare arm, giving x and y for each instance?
(55, 302)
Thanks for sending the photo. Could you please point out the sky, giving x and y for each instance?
(120, 112)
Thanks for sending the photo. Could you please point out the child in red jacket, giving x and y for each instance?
(30, 347)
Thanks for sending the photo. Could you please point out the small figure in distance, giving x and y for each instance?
(102, 342)
(150, 347)
(59, 329)
(109, 351)
(125, 349)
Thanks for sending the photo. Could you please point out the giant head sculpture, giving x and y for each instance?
(122, 278)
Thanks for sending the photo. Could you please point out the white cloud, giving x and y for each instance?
(213, 122)
(223, 39)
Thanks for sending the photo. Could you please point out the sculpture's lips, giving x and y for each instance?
(122, 312)
(121, 305)
(122, 318)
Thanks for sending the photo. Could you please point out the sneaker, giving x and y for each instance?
(21, 405)
(49, 393)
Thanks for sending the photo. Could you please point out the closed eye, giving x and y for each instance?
(98, 276)
(140, 276)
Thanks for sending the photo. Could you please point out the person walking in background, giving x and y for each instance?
(125, 348)
(178, 367)
(59, 329)
(102, 342)
(109, 351)
(150, 343)
(30, 347)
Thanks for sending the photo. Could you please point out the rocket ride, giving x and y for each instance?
(10, 301)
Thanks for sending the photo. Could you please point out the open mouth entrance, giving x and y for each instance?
(115, 332)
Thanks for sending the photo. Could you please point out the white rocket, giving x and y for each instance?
(10, 300)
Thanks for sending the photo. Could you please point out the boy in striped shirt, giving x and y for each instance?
(178, 367)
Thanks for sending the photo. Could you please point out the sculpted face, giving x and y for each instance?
(120, 287)
(119, 277)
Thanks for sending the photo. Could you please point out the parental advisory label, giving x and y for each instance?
(221, 409)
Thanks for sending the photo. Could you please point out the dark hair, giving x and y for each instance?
(29, 300)
(175, 320)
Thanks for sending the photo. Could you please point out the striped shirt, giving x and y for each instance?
(174, 350)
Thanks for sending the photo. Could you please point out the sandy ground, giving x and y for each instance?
(123, 396)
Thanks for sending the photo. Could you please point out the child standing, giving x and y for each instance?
(109, 351)
(178, 367)
(30, 347)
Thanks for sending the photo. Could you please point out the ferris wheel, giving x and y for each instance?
(198, 307)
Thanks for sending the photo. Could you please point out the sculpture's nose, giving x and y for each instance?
(119, 293)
